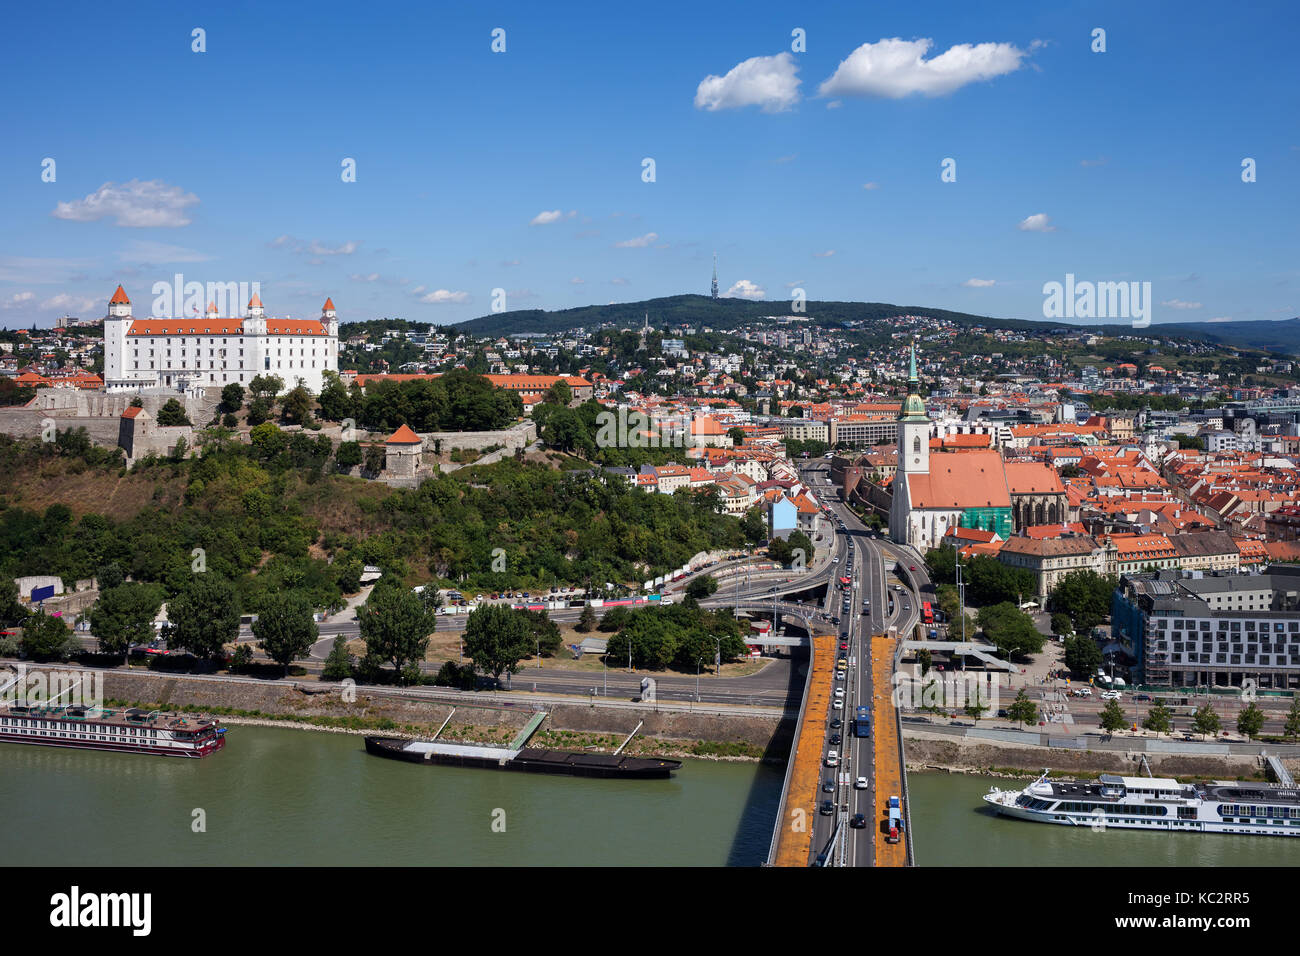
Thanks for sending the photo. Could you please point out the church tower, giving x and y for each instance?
(913, 428)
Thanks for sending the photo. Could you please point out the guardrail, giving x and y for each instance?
(902, 760)
(789, 764)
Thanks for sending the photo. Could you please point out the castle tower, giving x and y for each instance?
(212, 310)
(255, 310)
(116, 325)
(119, 307)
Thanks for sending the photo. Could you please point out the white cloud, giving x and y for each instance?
(619, 281)
(871, 185)
(68, 303)
(766, 81)
(507, 263)
(18, 300)
(894, 68)
(1180, 304)
(640, 242)
(160, 252)
(979, 283)
(1038, 222)
(443, 296)
(546, 217)
(145, 204)
(1099, 161)
(1224, 318)
(577, 280)
(824, 255)
(744, 289)
(369, 277)
(315, 247)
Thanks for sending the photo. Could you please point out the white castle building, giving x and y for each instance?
(197, 352)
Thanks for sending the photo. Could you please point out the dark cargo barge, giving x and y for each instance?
(527, 760)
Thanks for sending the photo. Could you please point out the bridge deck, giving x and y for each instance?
(795, 844)
(889, 764)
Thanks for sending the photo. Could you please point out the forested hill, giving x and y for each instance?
(699, 310)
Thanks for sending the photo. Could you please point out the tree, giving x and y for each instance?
(266, 386)
(375, 459)
(348, 455)
(737, 435)
(1250, 721)
(1082, 655)
(1159, 719)
(296, 405)
(109, 576)
(334, 401)
(1010, 629)
(259, 409)
(1292, 726)
(45, 637)
(1022, 709)
(559, 394)
(587, 620)
(1206, 721)
(173, 413)
(925, 659)
(284, 627)
(1085, 596)
(1062, 625)
(124, 615)
(241, 658)
(1112, 717)
(497, 638)
(232, 397)
(205, 616)
(395, 624)
(753, 527)
(338, 666)
(702, 587)
(977, 706)
(11, 609)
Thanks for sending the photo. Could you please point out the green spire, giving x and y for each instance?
(913, 409)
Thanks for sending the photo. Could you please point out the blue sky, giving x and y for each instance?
(225, 165)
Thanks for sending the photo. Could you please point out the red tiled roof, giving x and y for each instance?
(403, 436)
(119, 297)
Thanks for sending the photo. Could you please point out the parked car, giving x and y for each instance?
(1111, 695)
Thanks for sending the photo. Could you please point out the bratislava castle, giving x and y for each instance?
(209, 350)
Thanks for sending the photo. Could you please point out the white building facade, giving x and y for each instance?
(199, 352)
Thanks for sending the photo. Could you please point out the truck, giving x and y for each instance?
(895, 824)
(862, 722)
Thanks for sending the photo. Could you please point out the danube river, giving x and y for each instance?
(291, 797)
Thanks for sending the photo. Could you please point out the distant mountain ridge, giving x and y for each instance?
(1281, 336)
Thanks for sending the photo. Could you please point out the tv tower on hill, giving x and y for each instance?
(714, 293)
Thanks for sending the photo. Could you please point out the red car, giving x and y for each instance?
(844, 645)
(911, 567)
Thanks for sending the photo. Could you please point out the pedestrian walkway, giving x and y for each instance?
(795, 843)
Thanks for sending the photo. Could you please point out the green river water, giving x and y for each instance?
(290, 797)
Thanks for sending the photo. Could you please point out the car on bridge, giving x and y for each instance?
(860, 783)
(827, 808)
(859, 821)
(832, 758)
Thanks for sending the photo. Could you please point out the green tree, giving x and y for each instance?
(204, 616)
(1022, 709)
(737, 435)
(925, 659)
(1250, 721)
(12, 611)
(1206, 721)
(172, 413)
(1159, 719)
(109, 576)
(1085, 596)
(1010, 629)
(335, 401)
(296, 405)
(1112, 717)
(241, 658)
(753, 527)
(375, 459)
(266, 386)
(124, 615)
(497, 638)
(1062, 625)
(559, 394)
(284, 628)
(46, 637)
(701, 587)
(395, 623)
(348, 455)
(587, 621)
(977, 706)
(339, 663)
(1082, 655)
(1292, 726)
(232, 397)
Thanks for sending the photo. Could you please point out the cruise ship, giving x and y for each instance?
(132, 730)
(1155, 803)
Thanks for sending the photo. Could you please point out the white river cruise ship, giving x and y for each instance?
(1155, 803)
(130, 731)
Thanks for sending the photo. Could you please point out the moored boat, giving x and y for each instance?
(527, 760)
(131, 730)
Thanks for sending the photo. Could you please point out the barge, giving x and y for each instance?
(527, 760)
